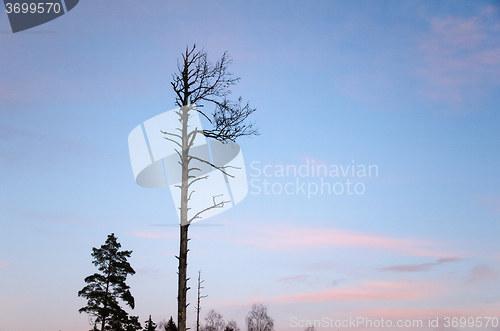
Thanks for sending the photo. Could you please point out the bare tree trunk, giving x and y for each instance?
(181, 299)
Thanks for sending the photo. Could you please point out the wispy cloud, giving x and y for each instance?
(419, 267)
(4, 264)
(292, 279)
(370, 292)
(482, 273)
(461, 56)
(286, 238)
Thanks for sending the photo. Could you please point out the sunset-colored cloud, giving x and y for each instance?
(482, 273)
(374, 291)
(419, 267)
(288, 238)
(461, 57)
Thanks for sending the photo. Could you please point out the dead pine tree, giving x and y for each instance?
(198, 307)
(199, 82)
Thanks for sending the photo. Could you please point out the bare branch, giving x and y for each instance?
(172, 134)
(197, 179)
(200, 80)
(189, 198)
(191, 142)
(215, 205)
(221, 169)
(194, 132)
(190, 169)
(175, 142)
(229, 118)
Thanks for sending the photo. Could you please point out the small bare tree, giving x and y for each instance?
(198, 307)
(214, 321)
(258, 319)
(199, 81)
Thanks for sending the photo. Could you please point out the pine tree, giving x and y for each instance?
(123, 322)
(105, 288)
(149, 325)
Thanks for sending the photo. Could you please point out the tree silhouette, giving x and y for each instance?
(198, 81)
(149, 325)
(214, 321)
(232, 326)
(258, 319)
(170, 325)
(122, 322)
(105, 288)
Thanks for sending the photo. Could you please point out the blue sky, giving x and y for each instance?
(412, 87)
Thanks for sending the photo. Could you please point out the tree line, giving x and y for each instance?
(106, 291)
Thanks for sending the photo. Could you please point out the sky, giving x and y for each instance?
(409, 88)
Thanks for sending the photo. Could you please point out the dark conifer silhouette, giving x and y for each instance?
(170, 325)
(105, 288)
(149, 325)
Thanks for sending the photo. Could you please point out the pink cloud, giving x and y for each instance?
(482, 273)
(374, 291)
(419, 267)
(291, 238)
(4, 264)
(461, 57)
